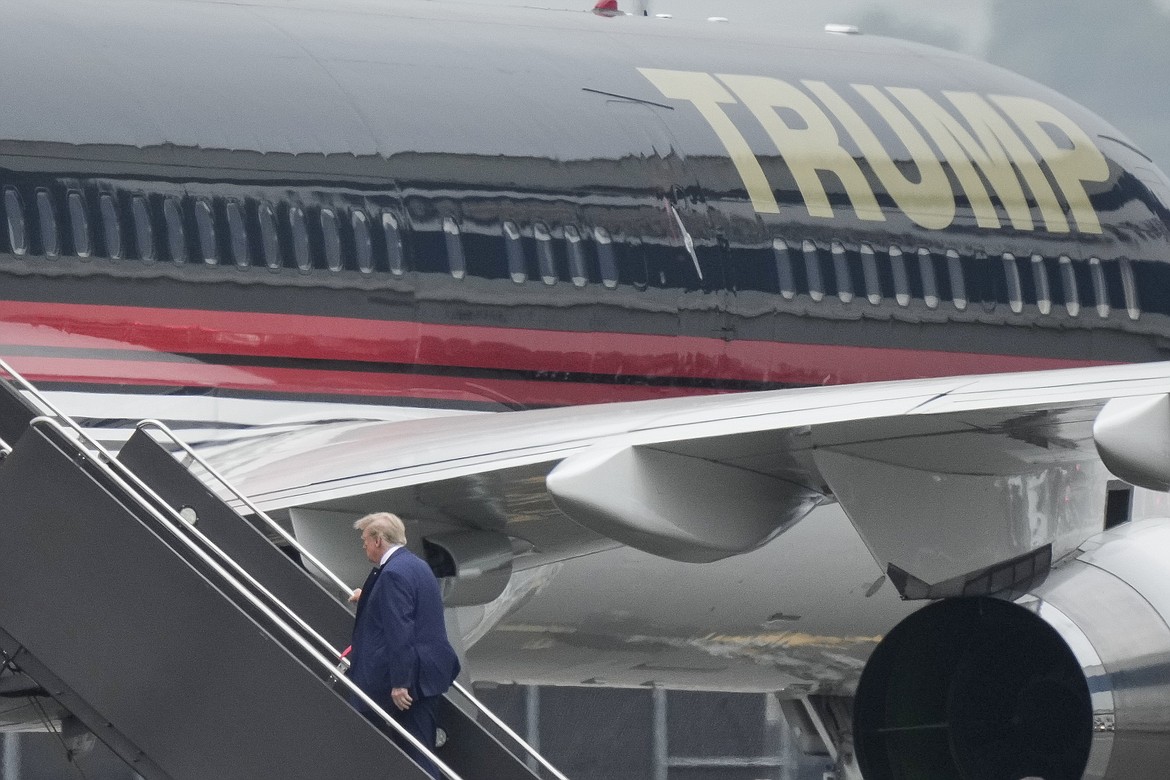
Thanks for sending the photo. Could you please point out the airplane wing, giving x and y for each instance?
(942, 477)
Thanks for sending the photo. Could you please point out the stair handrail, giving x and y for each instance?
(190, 528)
(149, 491)
(531, 751)
(179, 528)
(301, 550)
(162, 427)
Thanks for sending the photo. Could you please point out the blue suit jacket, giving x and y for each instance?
(399, 638)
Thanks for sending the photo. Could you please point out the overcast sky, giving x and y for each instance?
(1113, 56)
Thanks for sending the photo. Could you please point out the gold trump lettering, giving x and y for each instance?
(1002, 146)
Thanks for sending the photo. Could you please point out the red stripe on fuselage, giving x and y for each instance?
(270, 381)
(599, 354)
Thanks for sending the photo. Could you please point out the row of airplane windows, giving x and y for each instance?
(228, 231)
(220, 230)
(1035, 279)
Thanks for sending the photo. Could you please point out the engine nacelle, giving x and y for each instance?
(1070, 681)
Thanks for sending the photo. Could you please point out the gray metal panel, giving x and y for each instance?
(149, 642)
(472, 751)
(239, 539)
(15, 413)
(109, 734)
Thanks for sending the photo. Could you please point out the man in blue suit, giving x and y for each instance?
(401, 657)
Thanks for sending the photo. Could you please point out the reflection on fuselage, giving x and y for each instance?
(486, 299)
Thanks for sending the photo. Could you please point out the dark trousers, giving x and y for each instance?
(420, 721)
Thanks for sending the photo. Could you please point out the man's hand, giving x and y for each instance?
(357, 594)
(401, 698)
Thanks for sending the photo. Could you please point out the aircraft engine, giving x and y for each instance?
(1072, 680)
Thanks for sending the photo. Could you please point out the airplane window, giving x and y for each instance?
(1100, 289)
(812, 267)
(929, 280)
(269, 238)
(238, 232)
(869, 269)
(205, 222)
(300, 238)
(1040, 280)
(633, 260)
(576, 256)
(784, 268)
(841, 271)
(514, 248)
(1129, 289)
(111, 227)
(79, 222)
(143, 229)
(50, 242)
(1011, 274)
(455, 258)
(362, 243)
(176, 241)
(394, 251)
(901, 277)
(332, 240)
(988, 282)
(1068, 281)
(14, 209)
(544, 254)
(606, 257)
(958, 283)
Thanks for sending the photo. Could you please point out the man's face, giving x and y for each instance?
(373, 547)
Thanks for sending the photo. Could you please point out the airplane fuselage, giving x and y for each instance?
(262, 217)
(412, 208)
